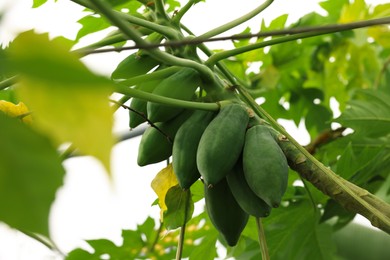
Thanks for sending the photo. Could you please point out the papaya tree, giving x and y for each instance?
(214, 116)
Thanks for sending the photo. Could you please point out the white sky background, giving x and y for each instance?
(86, 206)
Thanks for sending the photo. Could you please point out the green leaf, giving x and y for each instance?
(276, 24)
(293, 232)
(132, 239)
(334, 209)
(145, 229)
(317, 119)
(30, 174)
(197, 191)
(333, 8)
(38, 3)
(81, 254)
(179, 207)
(356, 241)
(102, 246)
(369, 116)
(172, 5)
(91, 24)
(206, 249)
(69, 102)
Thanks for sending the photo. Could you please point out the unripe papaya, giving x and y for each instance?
(155, 145)
(186, 146)
(139, 105)
(221, 143)
(243, 194)
(134, 65)
(224, 212)
(265, 166)
(181, 85)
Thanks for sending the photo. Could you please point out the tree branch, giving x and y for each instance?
(379, 212)
(323, 138)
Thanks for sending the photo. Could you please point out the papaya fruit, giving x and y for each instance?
(181, 85)
(221, 143)
(224, 212)
(134, 65)
(139, 105)
(156, 144)
(265, 166)
(244, 196)
(186, 145)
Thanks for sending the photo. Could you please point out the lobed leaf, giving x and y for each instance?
(370, 116)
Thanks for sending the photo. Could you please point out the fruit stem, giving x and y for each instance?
(262, 240)
(164, 57)
(177, 18)
(169, 101)
(84, 51)
(156, 75)
(160, 10)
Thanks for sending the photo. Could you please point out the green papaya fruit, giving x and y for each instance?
(265, 166)
(134, 65)
(224, 212)
(186, 145)
(181, 85)
(244, 196)
(156, 144)
(221, 143)
(139, 105)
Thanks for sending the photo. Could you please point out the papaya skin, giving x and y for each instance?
(221, 143)
(224, 212)
(265, 166)
(156, 145)
(181, 85)
(186, 145)
(243, 194)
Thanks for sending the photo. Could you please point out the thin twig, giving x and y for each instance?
(291, 31)
(144, 117)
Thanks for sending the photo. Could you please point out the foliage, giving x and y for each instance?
(297, 79)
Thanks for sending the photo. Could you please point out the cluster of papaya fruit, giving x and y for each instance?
(243, 169)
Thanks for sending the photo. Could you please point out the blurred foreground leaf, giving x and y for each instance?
(30, 174)
(68, 101)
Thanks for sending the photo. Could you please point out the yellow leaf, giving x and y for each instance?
(163, 181)
(12, 110)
